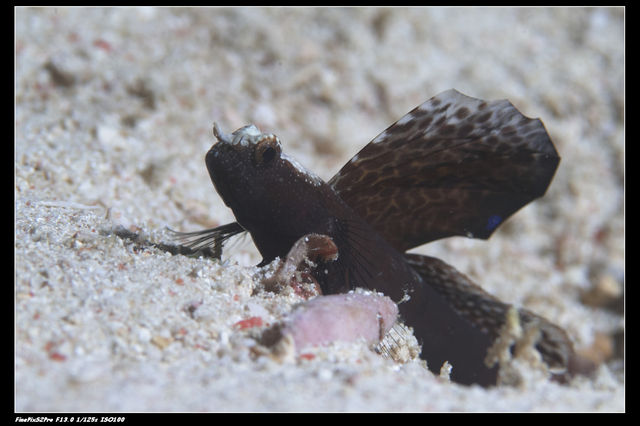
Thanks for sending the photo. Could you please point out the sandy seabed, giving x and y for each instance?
(114, 109)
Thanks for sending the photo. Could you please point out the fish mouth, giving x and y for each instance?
(223, 169)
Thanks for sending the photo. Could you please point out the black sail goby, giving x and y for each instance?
(454, 165)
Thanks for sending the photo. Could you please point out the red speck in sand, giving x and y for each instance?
(56, 356)
(102, 44)
(248, 323)
(307, 356)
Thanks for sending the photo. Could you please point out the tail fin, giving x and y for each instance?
(488, 314)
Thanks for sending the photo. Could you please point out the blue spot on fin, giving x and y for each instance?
(493, 222)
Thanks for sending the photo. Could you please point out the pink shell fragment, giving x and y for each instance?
(341, 317)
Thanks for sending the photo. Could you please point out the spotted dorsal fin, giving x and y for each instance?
(455, 165)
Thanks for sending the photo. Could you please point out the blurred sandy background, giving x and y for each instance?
(114, 109)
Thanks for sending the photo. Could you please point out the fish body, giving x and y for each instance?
(454, 165)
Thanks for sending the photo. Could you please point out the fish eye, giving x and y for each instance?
(266, 150)
(268, 154)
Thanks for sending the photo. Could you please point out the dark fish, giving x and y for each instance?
(454, 165)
